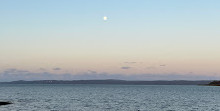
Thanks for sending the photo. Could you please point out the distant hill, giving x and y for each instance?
(110, 81)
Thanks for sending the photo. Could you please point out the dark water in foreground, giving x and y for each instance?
(109, 97)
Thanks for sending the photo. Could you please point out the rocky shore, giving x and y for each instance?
(5, 103)
(214, 83)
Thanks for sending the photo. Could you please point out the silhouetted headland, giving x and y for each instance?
(5, 103)
(214, 83)
(112, 81)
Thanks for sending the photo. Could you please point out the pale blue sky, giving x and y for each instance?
(71, 34)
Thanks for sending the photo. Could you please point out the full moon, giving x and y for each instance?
(105, 18)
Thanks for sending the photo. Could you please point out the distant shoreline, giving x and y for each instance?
(214, 83)
(114, 82)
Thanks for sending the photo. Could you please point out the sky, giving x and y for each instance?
(167, 39)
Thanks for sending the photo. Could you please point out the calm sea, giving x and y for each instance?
(65, 97)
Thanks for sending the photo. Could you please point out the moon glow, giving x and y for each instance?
(105, 18)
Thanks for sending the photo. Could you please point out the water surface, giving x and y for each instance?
(66, 97)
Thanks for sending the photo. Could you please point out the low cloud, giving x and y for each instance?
(42, 69)
(163, 65)
(15, 71)
(130, 62)
(57, 69)
(92, 72)
(125, 67)
(151, 67)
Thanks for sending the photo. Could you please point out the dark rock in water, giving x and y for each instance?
(5, 103)
(214, 83)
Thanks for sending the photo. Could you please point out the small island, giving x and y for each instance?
(5, 103)
(214, 83)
